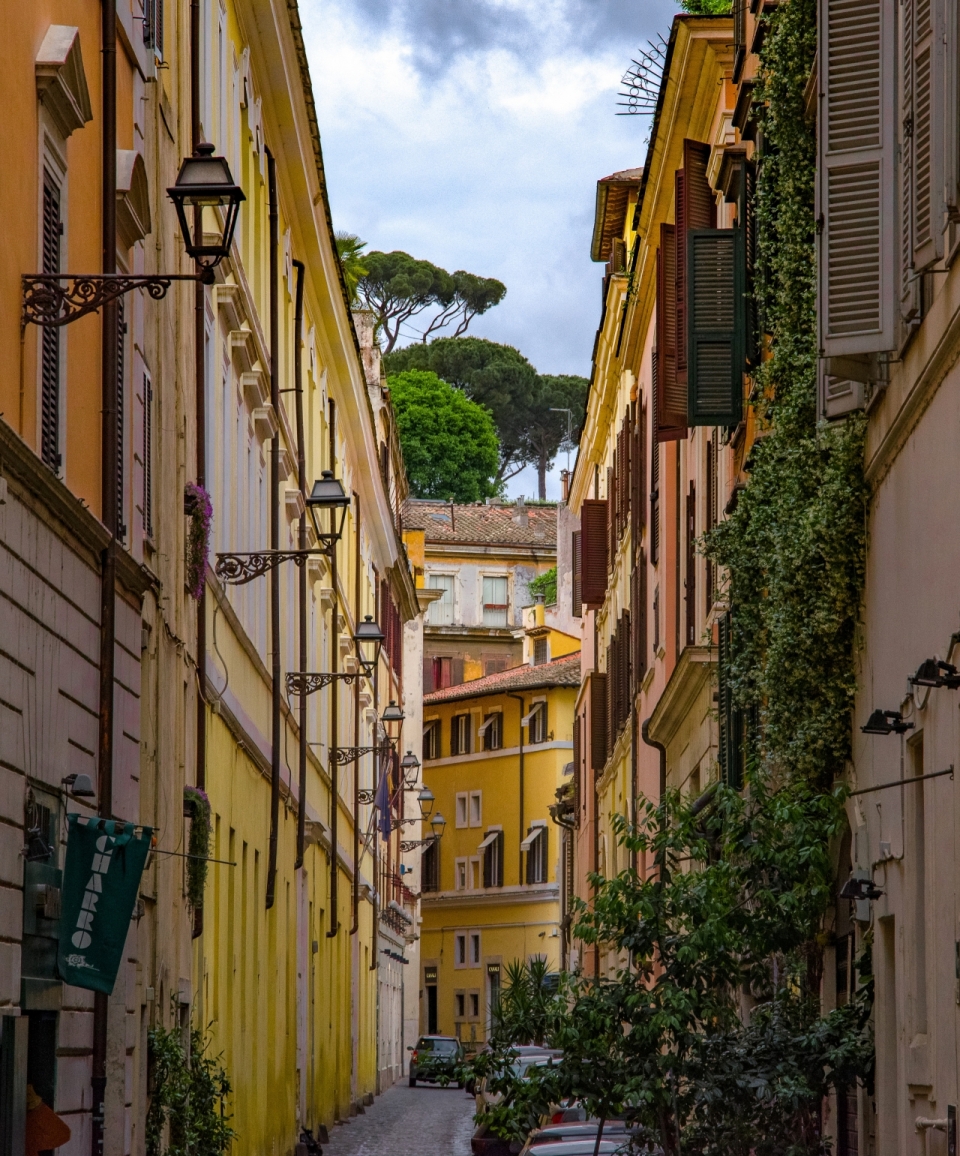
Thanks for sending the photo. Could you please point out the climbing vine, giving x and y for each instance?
(199, 509)
(793, 549)
(187, 1115)
(197, 805)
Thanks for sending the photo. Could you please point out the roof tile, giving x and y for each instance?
(486, 525)
(560, 672)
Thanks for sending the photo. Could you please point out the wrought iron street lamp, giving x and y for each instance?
(437, 824)
(327, 494)
(409, 766)
(369, 639)
(204, 186)
(426, 801)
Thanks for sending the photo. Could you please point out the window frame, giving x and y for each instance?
(537, 731)
(458, 725)
(460, 864)
(432, 739)
(442, 601)
(475, 796)
(464, 798)
(497, 607)
(52, 155)
(492, 727)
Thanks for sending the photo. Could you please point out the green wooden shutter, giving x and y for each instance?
(715, 349)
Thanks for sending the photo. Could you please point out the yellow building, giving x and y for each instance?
(496, 750)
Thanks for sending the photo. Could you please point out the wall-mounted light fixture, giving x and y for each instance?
(936, 673)
(886, 722)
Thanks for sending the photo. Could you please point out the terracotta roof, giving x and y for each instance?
(484, 525)
(560, 672)
(613, 196)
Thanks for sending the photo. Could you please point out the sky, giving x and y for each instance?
(472, 133)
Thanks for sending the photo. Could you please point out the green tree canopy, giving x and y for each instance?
(396, 287)
(520, 399)
(449, 442)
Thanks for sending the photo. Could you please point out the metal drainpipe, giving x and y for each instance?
(200, 401)
(334, 697)
(274, 532)
(645, 735)
(375, 842)
(108, 498)
(519, 699)
(302, 570)
(356, 730)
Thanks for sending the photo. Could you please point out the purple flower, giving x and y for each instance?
(198, 507)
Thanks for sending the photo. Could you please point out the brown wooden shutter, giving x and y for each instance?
(654, 464)
(576, 747)
(593, 551)
(577, 554)
(610, 717)
(671, 398)
(638, 620)
(856, 173)
(598, 720)
(708, 520)
(695, 208)
(611, 511)
(499, 846)
(680, 233)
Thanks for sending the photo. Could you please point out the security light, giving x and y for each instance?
(886, 722)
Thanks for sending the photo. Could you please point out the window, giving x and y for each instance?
(475, 947)
(476, 808)
(475, 876)
(441, 611)
(535, 846)
(431, 739)
(430, 867)
(474, 1005)
(460, 875)
(442, 673)
(539, 651)
(121, 413)
(50, 336)
(492, 730)
(461, 1005)
(538, 723)
(460, 734)
(462, 809)
(153, 26)
(460, 949)
(492, 850)
(147, 456)
(496, 606)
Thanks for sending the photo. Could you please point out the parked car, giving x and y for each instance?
(584, 1130)
(436, 1058)
(585, 1147)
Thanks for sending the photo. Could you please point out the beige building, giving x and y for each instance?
(481, 558)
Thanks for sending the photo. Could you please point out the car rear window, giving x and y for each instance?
(444, 1047)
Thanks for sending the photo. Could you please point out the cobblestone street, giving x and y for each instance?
(408, 1121)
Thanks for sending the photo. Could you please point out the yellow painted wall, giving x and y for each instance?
(518, 920)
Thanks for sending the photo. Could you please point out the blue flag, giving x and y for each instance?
(383, 803)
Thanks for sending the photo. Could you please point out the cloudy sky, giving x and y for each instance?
(472, 133)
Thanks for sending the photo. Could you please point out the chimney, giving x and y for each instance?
(564, 486)
(521, 517)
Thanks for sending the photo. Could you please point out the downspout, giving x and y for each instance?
(356, 731)
(274, 533)
(519, 699)
(633, 779)
(334, 697)
(200, 403)
(108, 500)
(645, 735)
(301, 570)
(375, 841)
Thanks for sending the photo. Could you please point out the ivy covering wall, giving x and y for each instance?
(794, 548)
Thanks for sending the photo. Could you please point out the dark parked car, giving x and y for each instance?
(436, 1058)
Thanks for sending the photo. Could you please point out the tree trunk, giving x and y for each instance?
(542, 476)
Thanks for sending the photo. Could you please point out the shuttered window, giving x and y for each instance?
(690, 590)
(593, 552)
(715, 350)
(695, 208)
(927, 137)
(50, 335)
(147, 456)
(430, 867)
(577, 555)
(671, 397)
(597, 740)
(856, 174)
(493, 861)
(121, 414)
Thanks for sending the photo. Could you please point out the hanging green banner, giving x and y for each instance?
(101, 878)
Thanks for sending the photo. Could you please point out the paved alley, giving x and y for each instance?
(407, 1121)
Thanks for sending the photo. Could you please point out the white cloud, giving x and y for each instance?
(473, 134)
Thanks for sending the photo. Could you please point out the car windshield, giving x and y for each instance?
(441, 1047)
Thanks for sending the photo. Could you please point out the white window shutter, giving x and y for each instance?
(856, 174)
(909, 282)
(927, 132)
(951, 108)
